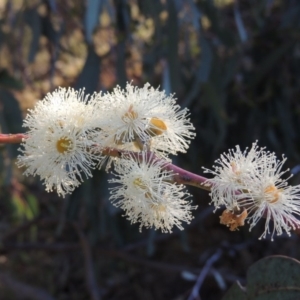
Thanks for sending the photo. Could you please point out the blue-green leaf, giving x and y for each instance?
(271, 278)
(91, 18)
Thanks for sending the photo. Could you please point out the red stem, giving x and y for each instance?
(188, 178)
(181, 176)
(12, 138)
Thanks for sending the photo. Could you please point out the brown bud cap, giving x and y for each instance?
(233, 220)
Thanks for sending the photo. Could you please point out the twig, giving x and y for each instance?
(89, 271)
(181, 176)
(26, 225)
(196, 289)
(19, 229)
(163, 237)
(188, 178)
(62, 247)
(151, 264)
(20, 288)
(54, 247)
(12, 138)
(88, 263)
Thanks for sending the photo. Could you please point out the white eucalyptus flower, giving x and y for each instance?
(232, 173)
(271, 198)
(145, 116)
(250, 186)
(144, 191)
(61, 133)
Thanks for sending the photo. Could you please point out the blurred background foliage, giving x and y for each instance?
(234, 64)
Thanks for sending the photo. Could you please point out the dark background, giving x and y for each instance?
(235, 65)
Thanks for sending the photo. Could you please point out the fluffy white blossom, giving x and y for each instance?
(232, 171)
(61, 132)
(136, 117)
(65, 105)
(273, 199)
(144, 191)
(250, 183)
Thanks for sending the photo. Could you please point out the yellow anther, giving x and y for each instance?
(139, 183)
(158, 126)
(235, 168)
(273, 192)
(158, 208)
(63, 145)
(130, 115)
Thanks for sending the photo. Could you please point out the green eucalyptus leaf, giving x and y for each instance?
(34, 21)
(236, 292)
(91, 19)
(268, 62)
(9, 82)
(271, 278)
(89, 76)
(172, 45)
(33, 205)
(240, 24)
(11, 112)
(121, 61)
(274, 277)
(203, 71)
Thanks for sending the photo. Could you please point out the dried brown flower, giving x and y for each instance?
(232, 219)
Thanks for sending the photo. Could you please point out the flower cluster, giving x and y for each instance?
(143, 118)
(250, 185)
(68, 132)
(60, 135)
(143, 189)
